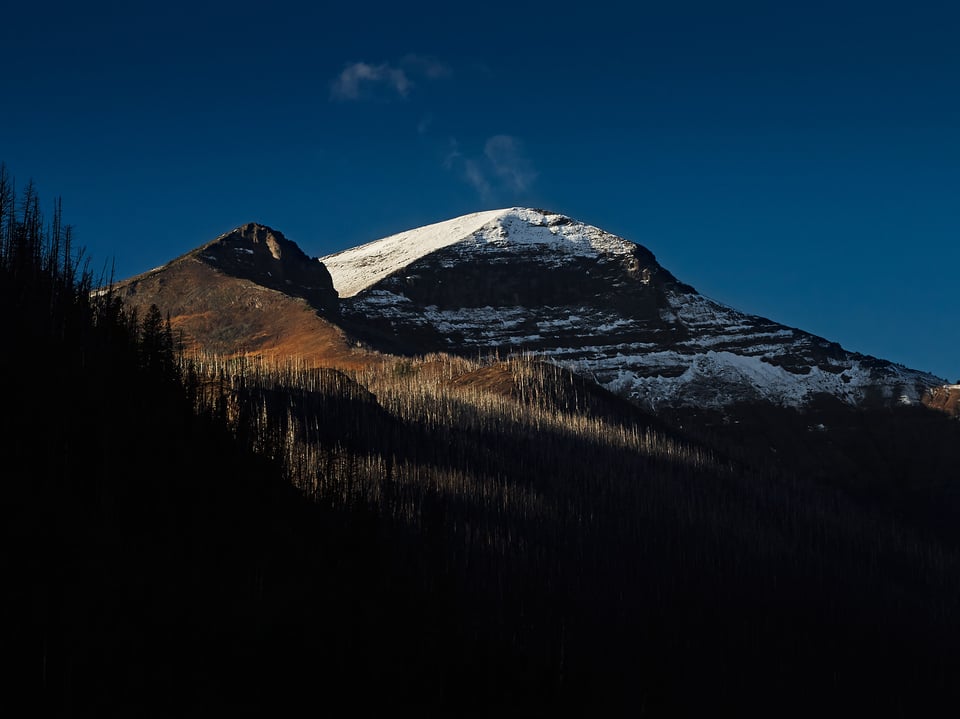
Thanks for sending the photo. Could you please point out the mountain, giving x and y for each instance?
(508, 282)
(524, 280)
(249, 291)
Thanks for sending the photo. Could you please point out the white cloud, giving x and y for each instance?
(360, 78)
(363, 80)
(509, 161)
(502, 169)
(476, 177)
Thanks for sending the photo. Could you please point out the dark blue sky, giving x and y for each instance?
(796, 160)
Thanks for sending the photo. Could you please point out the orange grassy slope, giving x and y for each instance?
(229, 316)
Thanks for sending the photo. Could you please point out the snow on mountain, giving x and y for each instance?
(519, 280)
(360, 267)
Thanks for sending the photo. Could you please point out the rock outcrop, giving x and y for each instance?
(264, 256)
(945, 398)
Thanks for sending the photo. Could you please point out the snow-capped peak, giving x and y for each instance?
(520, 280)
(358, 268)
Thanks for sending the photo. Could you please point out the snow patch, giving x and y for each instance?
(360, 267)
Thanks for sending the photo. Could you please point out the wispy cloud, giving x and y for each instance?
(360, 78)
(365, 81)
(477, 179)
(453, 156)
(426, 66)
(503, 169)
(509, 161)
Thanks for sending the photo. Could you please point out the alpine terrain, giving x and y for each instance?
(524, 280)
(511, 282)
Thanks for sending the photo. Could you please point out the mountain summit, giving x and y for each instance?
(263, 255)
(526, 280)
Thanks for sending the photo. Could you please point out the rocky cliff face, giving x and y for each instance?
(522, 280)
(264, 256)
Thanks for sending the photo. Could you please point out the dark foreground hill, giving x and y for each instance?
(432, 534)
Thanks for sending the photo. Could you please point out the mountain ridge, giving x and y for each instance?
(520, 281)
(527, 280)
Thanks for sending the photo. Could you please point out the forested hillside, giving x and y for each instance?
(188, 534)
